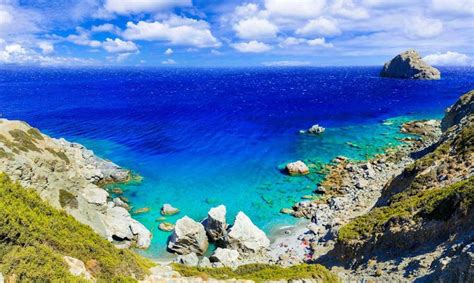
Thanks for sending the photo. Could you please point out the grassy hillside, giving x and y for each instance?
(35, 237)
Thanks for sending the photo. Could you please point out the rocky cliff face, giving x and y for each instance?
(409, 65)
(422, 224)
(67, 175)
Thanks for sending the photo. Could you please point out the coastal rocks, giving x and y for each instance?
(226, 257)
(121, 227)
(297, 168)
(316, 130)
(215, 223)
(190, 259)
(409, 65)
(188, 236)
(76, 267)
(168, 210)
(245, 237)
(166, 226)
(95, 195)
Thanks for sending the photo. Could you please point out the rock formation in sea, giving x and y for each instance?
(409, 65)
(297, 168)
(215, 223)
(245, 237)
(168, 210)
(316, 130)
(188, 237)
(68, 176)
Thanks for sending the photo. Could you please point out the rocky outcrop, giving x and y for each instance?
(77, 267)
(226, 257)
(245, 237)
(297, 168)
(188, 237)
(168, 210)
(68, 176)
(316, 130)
(215, 223)
(409, 65)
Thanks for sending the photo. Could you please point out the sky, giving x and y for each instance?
(209, 33)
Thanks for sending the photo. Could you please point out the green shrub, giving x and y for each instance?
(29, 224)
(438, 204)
(260, 272)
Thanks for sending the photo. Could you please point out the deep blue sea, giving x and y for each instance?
(204, 137)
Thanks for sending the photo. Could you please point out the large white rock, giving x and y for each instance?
(226, 257)
(215, 223)
(188, 236)
(245, 237)
(95, 195)
(76, 267)
(141, 233)
(297, 168)
(409, 65)
(168, 210)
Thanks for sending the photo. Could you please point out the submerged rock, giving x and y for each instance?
(188, 236)
(215, 223)
(166, 226)
(226, 257)
(297, 168)
(245, 237)
(409, 65)
(168, 210)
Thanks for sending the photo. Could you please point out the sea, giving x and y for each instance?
(201, 137)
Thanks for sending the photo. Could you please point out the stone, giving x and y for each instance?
(226, 257)
(188, 236)
(287, 211)
(119, 202)
(189, 259)
(336, 203)
(215, 223)
(117, 221)
(166, 226)
(95, 195)
(297, 168)
(76, 267)
(409, 65)
(142, 235)
(204, 262)
(316, 130)
(141, 210)
(245, 237)
(168, 210)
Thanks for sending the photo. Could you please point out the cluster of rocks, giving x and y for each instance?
(358, 188)
(409, 65)
(69, 176)
(191, 239)
(314, 130)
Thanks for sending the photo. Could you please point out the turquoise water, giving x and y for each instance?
(204, 137)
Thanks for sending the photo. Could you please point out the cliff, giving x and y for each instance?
(68, 176)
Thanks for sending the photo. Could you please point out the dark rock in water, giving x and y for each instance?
(409, 65)
(320, 190)
(215, 223)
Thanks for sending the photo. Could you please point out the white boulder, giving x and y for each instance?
(245, 237)
(188, 236)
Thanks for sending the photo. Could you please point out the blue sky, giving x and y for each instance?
(234, 33)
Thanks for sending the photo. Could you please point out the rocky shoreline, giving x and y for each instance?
(70, 177)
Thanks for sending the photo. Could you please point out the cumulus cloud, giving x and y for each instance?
(317, 42)
(347, 9)
(46, 47)
(124, 7)
(420, 27)
(286, 63)
(83, 37)
(119, 46)
(252, 47)
(296, 9)
(110, 28)
(454, 6)
(168, 62)
(255, 28)
(320, 26)
(175, 30)
(449, 58)
(321, 41)
(169, 52)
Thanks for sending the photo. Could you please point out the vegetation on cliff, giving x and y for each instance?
(260, 272)
(35, 237)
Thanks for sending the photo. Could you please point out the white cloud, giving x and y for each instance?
(286, 63)
(5, 17)
(420, 27)
(246, 11)
(46, 47)
(105, 28)
(320, 42)
(347, 9)
(119, 46)
(147, 6)
(296, 9)
(83, 37)
(169, 52)
(454, 6)
(255, 28)
(175, 30)
(168, 62)
(291, 41)
(449, 59)
(320, 26)
(252, 47)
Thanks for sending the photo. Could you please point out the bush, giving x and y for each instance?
(35, 236)
(260, 272)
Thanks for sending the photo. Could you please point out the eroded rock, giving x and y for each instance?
(188, 236)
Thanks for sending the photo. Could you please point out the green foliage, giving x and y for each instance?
(35, 133)
(33, 233)
(23, 141)
(61, 155)
(260, 272)
(428, 204)
(67, 199)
